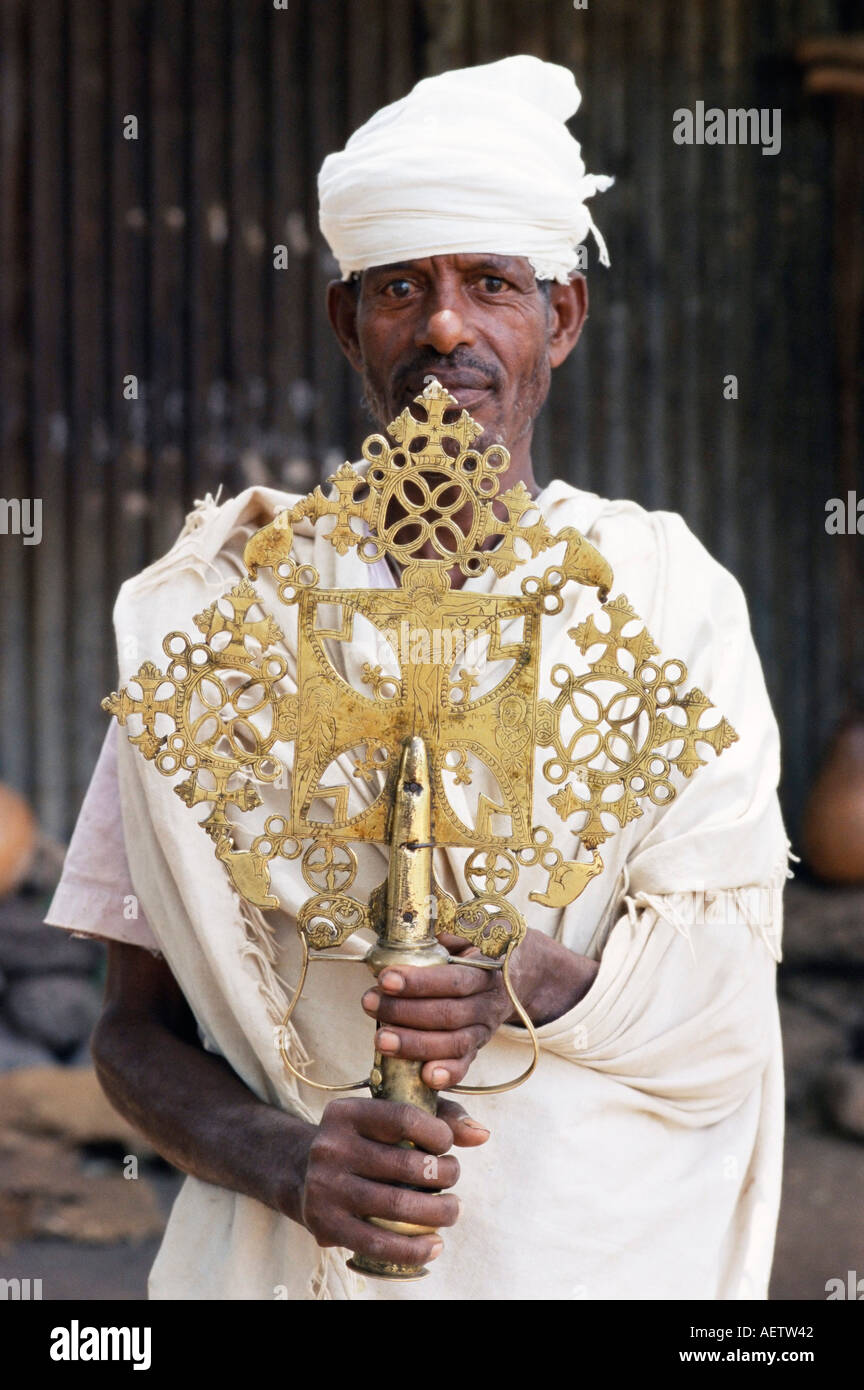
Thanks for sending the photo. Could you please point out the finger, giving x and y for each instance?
(456, 945)
(365, 1239)
(467, 1132)
(402, 1204)
(390, 1122)
(435, 981)
(429, 1015)
(425, 1047)
(388, 1163)
(445, 1072)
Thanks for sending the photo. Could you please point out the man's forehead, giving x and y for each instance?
(461, 260)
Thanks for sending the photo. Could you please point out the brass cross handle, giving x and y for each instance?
(370, 1081)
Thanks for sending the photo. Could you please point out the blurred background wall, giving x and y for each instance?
(153, 258)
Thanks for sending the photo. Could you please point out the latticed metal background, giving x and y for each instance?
(154, 257)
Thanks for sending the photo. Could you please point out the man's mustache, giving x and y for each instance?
(410, 374)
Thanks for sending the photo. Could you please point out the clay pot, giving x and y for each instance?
(833, 829)
(17, 839)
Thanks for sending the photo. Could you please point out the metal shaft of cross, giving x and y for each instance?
(406, 936)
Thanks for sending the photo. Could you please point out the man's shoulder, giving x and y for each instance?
(210, 527)
(647, 544)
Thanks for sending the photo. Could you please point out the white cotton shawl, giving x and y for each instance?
(474, 160)
(643, 1158)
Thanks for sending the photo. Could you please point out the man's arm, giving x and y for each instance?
(328, 1177)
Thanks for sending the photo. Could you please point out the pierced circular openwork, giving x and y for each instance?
(219, 712)
(328, 867)
(277, 840)
(612, 728)
(418, 512)
(491, 871)
(541, 851)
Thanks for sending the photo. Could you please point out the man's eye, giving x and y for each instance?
(493, 284)
(398, 289)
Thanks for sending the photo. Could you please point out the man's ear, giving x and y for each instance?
(342, 297)
(568, 306)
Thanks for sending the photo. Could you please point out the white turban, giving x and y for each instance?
(475, 160)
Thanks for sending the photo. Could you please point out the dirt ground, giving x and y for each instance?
(821, 1230)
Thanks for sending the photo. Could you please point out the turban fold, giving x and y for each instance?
(475, 160)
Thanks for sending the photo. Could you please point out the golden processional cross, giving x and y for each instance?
(452, 702)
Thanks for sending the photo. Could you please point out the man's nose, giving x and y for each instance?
(445, 327)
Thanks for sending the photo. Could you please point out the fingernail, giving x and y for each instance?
(387, 1041)
(440, 1076)
(473, 1124)
(390, 980)
(371, 1000)
(436, 1250)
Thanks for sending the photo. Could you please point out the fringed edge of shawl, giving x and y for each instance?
(204, 509)
(758, 905)
(331, 1274)
(332, 1271)
(258, 945)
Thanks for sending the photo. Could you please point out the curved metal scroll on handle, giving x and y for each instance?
(504, 967)
(299, 1075)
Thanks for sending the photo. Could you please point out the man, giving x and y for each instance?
(642, 1159)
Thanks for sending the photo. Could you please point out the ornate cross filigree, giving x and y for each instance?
(221, 714)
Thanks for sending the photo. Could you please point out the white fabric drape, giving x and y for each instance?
(643, 1158)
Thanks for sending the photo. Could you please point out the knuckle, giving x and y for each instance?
(440, 1136)
(389, 1011)
(317, 1203)
(405, 1118)
(317, 1213)
(403, 1203)
(429, 1045)
(449, 1171)
(464, 1042)
(406, 1165)
(380, 1246)
(322, 1230)
(430, 1169)
(341, 1111)
(447, 1210)
(324, 1151)
(412, 1043)
(400, 1249)
(452, 1014)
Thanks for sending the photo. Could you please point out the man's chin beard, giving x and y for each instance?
(374, 408)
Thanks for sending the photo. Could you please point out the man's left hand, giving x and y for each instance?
(443, 1014)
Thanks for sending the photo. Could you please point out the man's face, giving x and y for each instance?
(479, 323)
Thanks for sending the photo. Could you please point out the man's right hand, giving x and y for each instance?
(355, 1168)
(198, 1113)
